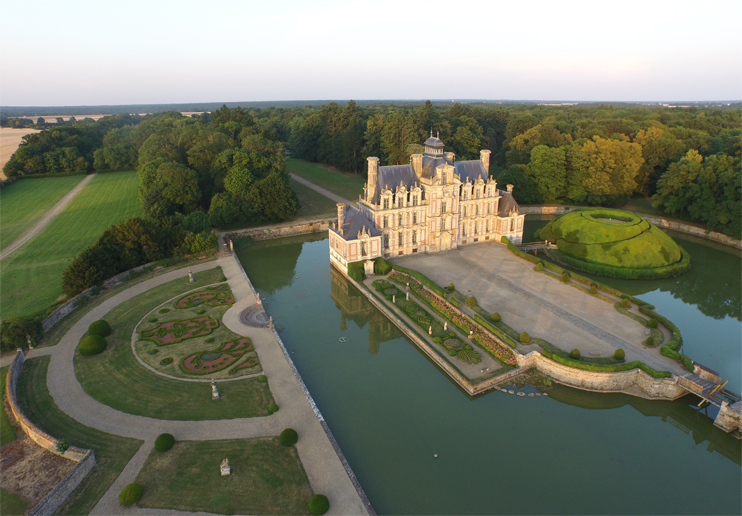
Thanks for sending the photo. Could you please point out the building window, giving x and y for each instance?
(414, 237)
(401, 239)
(363, 248)
(476, 232)
(512, 224)
(414, 217)
(464, 211)
(463, 230)
(385, 222)
(477, 212)
(386, 203)
(385, 241)
(400, 220)
(443, 207)
(414, 199)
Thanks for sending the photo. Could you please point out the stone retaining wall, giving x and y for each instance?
(660, 222)
(315, 226)
(85, 458)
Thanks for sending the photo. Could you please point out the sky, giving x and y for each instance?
(55, 53)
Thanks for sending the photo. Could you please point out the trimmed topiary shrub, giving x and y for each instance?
(152, 319)
(593, 290)
(223, 278)
(131, 493)
(381, 266)
(437, 340)
(451, 288)
(210, 339)
(62, 445)
(164, 310)
(262, 378)
(575, 353)
(619, 354)
(524, 338)
(100, 327)
(319, 504)
(539, 266)
(288, 437)
(164, 442)
(625, 303)
(496, 317)
(92, 345)
(649, 341)
(565, 277)
(652, 323)
(272, 408)
(166, 361)
(471, 302)
(688, 363)
(153, 351)
(201, 311)
(356, 271)
(452, 352)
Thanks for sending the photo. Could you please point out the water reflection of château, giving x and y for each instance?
(354, 306)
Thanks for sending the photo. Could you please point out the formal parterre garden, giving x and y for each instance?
(184, 337)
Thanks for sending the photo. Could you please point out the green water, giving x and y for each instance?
(391, 410)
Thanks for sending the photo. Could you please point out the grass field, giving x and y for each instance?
(12, 504)
(314, 205)
(348, 186)
(31, 278)
(7, 432)
(112, 453)
(266, 478)
(117, 379)
(24, 202)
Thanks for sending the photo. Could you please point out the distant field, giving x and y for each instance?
(31, 278)
(10, 139)
(348, 186)
(314, 205)
(24, 202)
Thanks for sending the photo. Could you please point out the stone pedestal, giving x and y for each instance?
(214, 391)
(225, 468)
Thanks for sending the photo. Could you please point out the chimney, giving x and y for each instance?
(450, 157)
(510, 189)
(417, 164)
(484, 157)
(341, 217)
(373, 178)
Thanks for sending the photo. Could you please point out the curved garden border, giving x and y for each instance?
(134, 338)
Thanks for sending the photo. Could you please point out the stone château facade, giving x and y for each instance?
(433, 204)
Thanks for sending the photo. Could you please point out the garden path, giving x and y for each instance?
(46, 219)
(324, 469)
(321, 190)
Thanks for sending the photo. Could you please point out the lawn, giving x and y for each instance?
(31, 279)
(11, 503)
(347, 186)
(7, 432)
(24, 202)
(266, 478)
(116, 370)
(314, 205)
(112, 452)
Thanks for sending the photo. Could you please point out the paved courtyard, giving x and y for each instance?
(538, 304)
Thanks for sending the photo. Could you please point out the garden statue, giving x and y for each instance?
(29, 340)
(270, 322)
(226, 469)
(408, 285)
(408, 296)
(259, 301)
(445, 325)
(430, 330)
(214, 392)
(471, 333)
(190, 276)
(394, 299)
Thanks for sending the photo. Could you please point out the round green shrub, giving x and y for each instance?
(92, 345)
(288, 437)
(272, 408)
(649, 341)
(164, 310)
(62, 445)
(166, 361)
(468, 347)
(626, 303)
(164, 442)
(496, 317)
(452, 352)
(131, 493)
(593, 290)
(262, 378)
(100, 327)
(575, 353)
(210, 339)
(451, 288)
(565, 277)
(539, 266)
(153, 351)
(652, 323)
(437, 340)
(525, 338)
(223, 278)
(152, 319)
(620, 354)
(319, 504)
(201, 311)
(471, 302)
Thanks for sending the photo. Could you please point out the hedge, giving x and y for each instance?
(288, 437)
(531, 258)
(356, 271)
(455, 302)
(636, 364)
(611, 271)
(131, 493)
(92, 345)
(319, 504)
(100, 327)
(381, 266)
(496, 331)
(422, 278)
(164, 442)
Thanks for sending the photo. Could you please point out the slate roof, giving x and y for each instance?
(354, 221)
(470, 170)
(434, 142)
(430, 164)
(506, 203)
(391, 176)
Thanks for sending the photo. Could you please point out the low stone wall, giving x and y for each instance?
(634, 382)
(315, 226)
(85, 458)
(660, 222)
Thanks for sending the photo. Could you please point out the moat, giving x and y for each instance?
(391, 410)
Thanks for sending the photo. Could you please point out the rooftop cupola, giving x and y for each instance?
(434, 146)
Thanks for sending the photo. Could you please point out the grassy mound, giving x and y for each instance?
(604, 241)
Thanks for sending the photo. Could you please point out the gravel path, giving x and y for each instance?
(46, 219)
(321, 190)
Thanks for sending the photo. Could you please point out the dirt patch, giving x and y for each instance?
(29, 470)
(10, 139)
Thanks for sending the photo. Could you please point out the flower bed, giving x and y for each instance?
(219, 359)
(171, 332)
(211, 297)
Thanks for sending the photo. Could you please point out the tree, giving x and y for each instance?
(238, 181)
(274, 198)
(548, 169)
(612, 168)
(525, 189)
